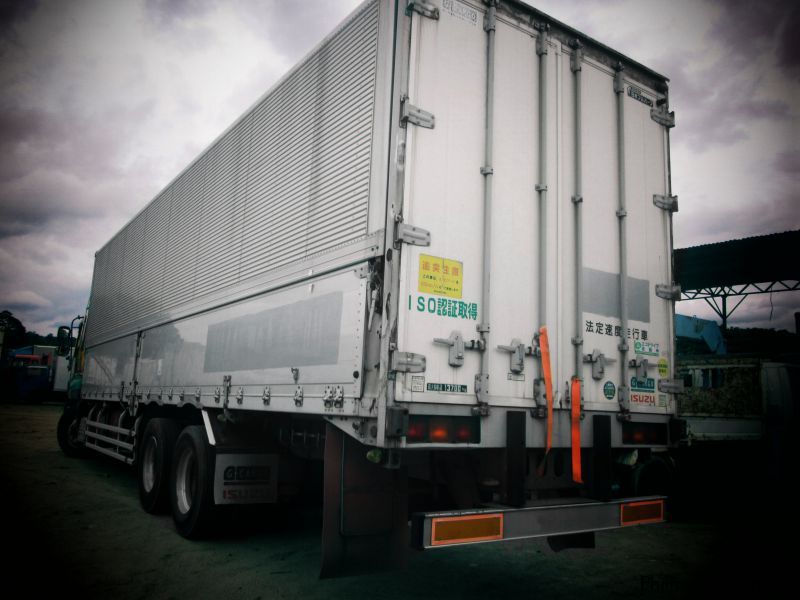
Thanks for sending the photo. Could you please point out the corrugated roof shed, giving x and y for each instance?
(759, 259)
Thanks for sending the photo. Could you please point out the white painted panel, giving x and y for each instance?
(444, 193)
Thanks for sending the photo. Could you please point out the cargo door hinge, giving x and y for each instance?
(408, 362)
(598, 360)
(411, 235)
(226, 417)
(416, 116)
(641, 365)
(426, 9)
(457, 347)
(518, 351)
(541, 41)
(619, 79)
(668, 291)
(333, 396)
(327, 396)
(670, 386)
(662, 116)
(669, 203)
(576, 60)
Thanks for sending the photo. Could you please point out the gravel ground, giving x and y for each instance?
(75, 526)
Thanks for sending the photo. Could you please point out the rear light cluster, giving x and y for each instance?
(424, 429)
(644, 433)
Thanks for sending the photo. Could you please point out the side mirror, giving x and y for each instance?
(64, 341)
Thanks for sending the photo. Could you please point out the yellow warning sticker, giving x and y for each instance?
(663, 367)
(440, 276)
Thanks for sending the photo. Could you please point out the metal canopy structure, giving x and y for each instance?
(738, 269)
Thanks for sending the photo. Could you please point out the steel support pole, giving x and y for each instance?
(482, 379)
(622, 213)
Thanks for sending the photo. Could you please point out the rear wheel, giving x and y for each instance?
(192, 484)
(67, 433)
(155, 459)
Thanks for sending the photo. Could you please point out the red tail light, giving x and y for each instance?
(417, 431)
(426, 429)
(440, 432)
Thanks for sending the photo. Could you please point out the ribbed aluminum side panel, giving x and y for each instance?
(289, 180)
(157, 229)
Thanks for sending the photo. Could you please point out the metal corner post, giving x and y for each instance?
(482, 379)
(541, 187)
(622, 213)
(577, 199)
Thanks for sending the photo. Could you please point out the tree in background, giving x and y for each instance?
(13, 333)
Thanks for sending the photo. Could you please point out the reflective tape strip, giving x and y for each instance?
(544, 345)
(209, 431)
(576, 430)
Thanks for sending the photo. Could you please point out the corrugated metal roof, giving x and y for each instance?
(758, 259)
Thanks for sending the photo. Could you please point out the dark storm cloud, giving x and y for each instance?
(762, 215)
(774, 311)
(58, 165)
(172, 13)
(57, 312)
(87, 145)
(292, 28)
(787, 163)
(723, 106)
(748, 26)
(13, 12)
(722, 90)
(789, 49)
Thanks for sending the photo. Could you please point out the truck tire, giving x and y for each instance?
(67, 433)
(192, 484)
(155, 460)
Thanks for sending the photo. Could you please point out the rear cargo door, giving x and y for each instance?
(441, 285)
(650, 328)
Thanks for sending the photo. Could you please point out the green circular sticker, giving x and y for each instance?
(663, 367)
(609, 389)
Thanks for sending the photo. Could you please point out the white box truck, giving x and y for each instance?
(436, 256)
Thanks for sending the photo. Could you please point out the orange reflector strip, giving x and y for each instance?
(576, 430)
(544, 346)
(470, 528)
(636, 513)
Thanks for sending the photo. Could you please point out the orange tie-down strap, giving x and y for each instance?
(544, 346)
(576, 430)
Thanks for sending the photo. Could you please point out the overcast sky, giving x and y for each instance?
(103, 102)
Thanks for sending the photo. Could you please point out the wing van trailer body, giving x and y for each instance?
(436, 255)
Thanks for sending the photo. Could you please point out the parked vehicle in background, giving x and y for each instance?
(35, 373)
(727, 398)
(410, 260)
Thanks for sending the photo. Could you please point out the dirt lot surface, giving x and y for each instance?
(74, 526)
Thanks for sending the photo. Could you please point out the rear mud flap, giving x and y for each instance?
(365, 511)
